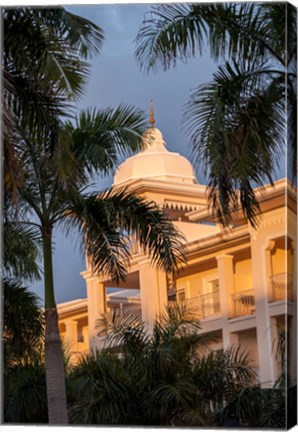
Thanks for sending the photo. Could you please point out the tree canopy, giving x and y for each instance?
(243, 122)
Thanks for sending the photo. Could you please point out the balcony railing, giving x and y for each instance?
(117, 312)
(202, 306)
(243, 303)
(282, 286)
(133, 307)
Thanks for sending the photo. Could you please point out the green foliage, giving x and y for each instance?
(23, 323)
(49, 163)
(24, 387)
(240, 123)
(25, 397)
(166, 378)
(45, 52)
(108, 220)
(20, 252)
(97, 140)
(170, 377)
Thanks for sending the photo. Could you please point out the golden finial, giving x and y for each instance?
(151, 119)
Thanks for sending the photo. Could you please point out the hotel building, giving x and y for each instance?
(240, 282)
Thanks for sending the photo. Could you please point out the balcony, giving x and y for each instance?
(282, 287)
(202, 306)
(126, 308)
(133, 308)
(126, 311)
(243, 303)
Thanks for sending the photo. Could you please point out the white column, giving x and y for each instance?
(153, 287)
(263, 322)
(268, 260)
(234, 339)
(226, 288)
(71, 333)
(292, 328)
(274, 337)
(292, 348)
(96, 301)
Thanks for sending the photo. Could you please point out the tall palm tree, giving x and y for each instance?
(44, 66)
(239, 123)
(60, 168)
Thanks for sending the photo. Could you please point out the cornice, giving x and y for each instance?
(161, 186)
(281, 193)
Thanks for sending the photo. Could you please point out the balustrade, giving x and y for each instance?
(133, 307)
(202, 306)
(282, 286)
(243, 303)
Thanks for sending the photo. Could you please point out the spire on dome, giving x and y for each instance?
(151, 119)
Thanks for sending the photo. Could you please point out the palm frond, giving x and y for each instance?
(166, 399)
(21, 251)
(220, 374)
(167, 33)
(256, 407)
(236, 125)
(151, 228)
(248, 88)
(86, 37)
(100, 137)
(100, 393)
(177, 32)
(123, 327)
(107, 247)
(25, 399)
(108, 220)
(23, 324)
(44, 65)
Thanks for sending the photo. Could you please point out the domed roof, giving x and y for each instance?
(154, 161)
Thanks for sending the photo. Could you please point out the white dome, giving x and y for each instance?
(155, 162)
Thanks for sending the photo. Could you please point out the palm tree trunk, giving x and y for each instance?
(55, 375)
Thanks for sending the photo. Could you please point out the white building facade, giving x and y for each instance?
(239, 281)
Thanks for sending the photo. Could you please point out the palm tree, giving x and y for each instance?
(239, 123)
(44, 65)
(21, 249)
(167, 378)
(25, 398)
(60, 167)
(274, 407)
(24, 395)
(23, 325)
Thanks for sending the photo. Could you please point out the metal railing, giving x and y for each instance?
(129, 310)
(133, 307)
(282, 286)
(202, 306)
(243, 303)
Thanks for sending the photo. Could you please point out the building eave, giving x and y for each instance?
(281, 193)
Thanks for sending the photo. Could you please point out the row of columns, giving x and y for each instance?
(153, 290)
(266, 327)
